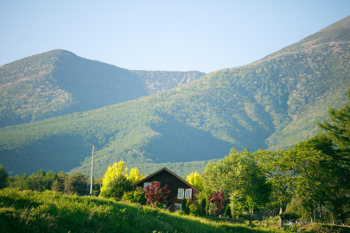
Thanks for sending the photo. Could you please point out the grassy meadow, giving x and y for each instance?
(49, 211)
(29, 211)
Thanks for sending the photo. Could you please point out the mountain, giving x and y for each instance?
(59, 82)
(272, 103)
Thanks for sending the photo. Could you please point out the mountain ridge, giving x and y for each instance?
(59, 82)
(270, 104)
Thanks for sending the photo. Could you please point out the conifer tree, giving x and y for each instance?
(339, 128)
(3, 177)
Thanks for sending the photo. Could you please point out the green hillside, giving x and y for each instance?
(49, 211)
(272, 103)
(59, 82)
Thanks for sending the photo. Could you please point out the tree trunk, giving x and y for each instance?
(251, 216)
(314, 214)
(280, 218)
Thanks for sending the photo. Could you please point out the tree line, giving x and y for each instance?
(312, 178)
(76, 183)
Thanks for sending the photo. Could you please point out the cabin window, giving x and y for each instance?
(145, 184)
(188, 193)
(180, 193)
(177, 207)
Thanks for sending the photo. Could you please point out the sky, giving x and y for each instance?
(162, 35)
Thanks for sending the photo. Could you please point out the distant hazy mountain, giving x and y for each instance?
(272, 103)
(59, 82)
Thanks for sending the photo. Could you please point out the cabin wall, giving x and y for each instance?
(173, 185)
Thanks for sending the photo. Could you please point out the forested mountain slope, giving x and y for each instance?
(59, 82)
(272, 103)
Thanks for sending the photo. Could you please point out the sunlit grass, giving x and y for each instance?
(28, 211)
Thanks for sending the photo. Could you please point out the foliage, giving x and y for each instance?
(228, 211)
(255, 188)
(220, 175)
(338, 130)
(242, 178)
(116, 187)
(135, 196)
(296, 207)
(155, 194)
(77, 184)
(323, 177)
(184, 205)
(59, 185)
(39, 182)
(3, 177)
(188, 206)
(195, 179)
(281, 171)
(192, 210)
(236, 203)
(218, 199)
(116, 181)
(135, 175)
(198, 207)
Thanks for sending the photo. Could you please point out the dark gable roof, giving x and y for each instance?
(165, 169)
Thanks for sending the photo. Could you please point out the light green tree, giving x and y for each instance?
(195, 179)
(225, 175)
(114, 177)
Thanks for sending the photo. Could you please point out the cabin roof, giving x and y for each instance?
(167, 170)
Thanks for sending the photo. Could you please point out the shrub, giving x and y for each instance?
(139, 196)
(218, 200)
(155, 194)
(117, 187)
(228, 211)
(189, 202)
(192, 210)
(183, 204)
(128, 196)
(198, 204)
(179, 212)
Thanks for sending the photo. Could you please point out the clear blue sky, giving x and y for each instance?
(162, 35)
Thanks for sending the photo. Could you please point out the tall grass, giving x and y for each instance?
(28, 211)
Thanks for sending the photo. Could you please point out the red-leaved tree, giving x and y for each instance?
(155, 194)
(218, 199)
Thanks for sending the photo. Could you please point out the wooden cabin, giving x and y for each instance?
(178, 187)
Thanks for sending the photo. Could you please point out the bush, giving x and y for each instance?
(199, 209)
(139, 196)
(183, 204)
(156, 195)
(290, 216)
(128, 196)
(189, 202)
(179, 212)
(228, 211)
(117, 187)
(192, 210)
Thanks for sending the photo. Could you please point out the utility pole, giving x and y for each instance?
(92, 169)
